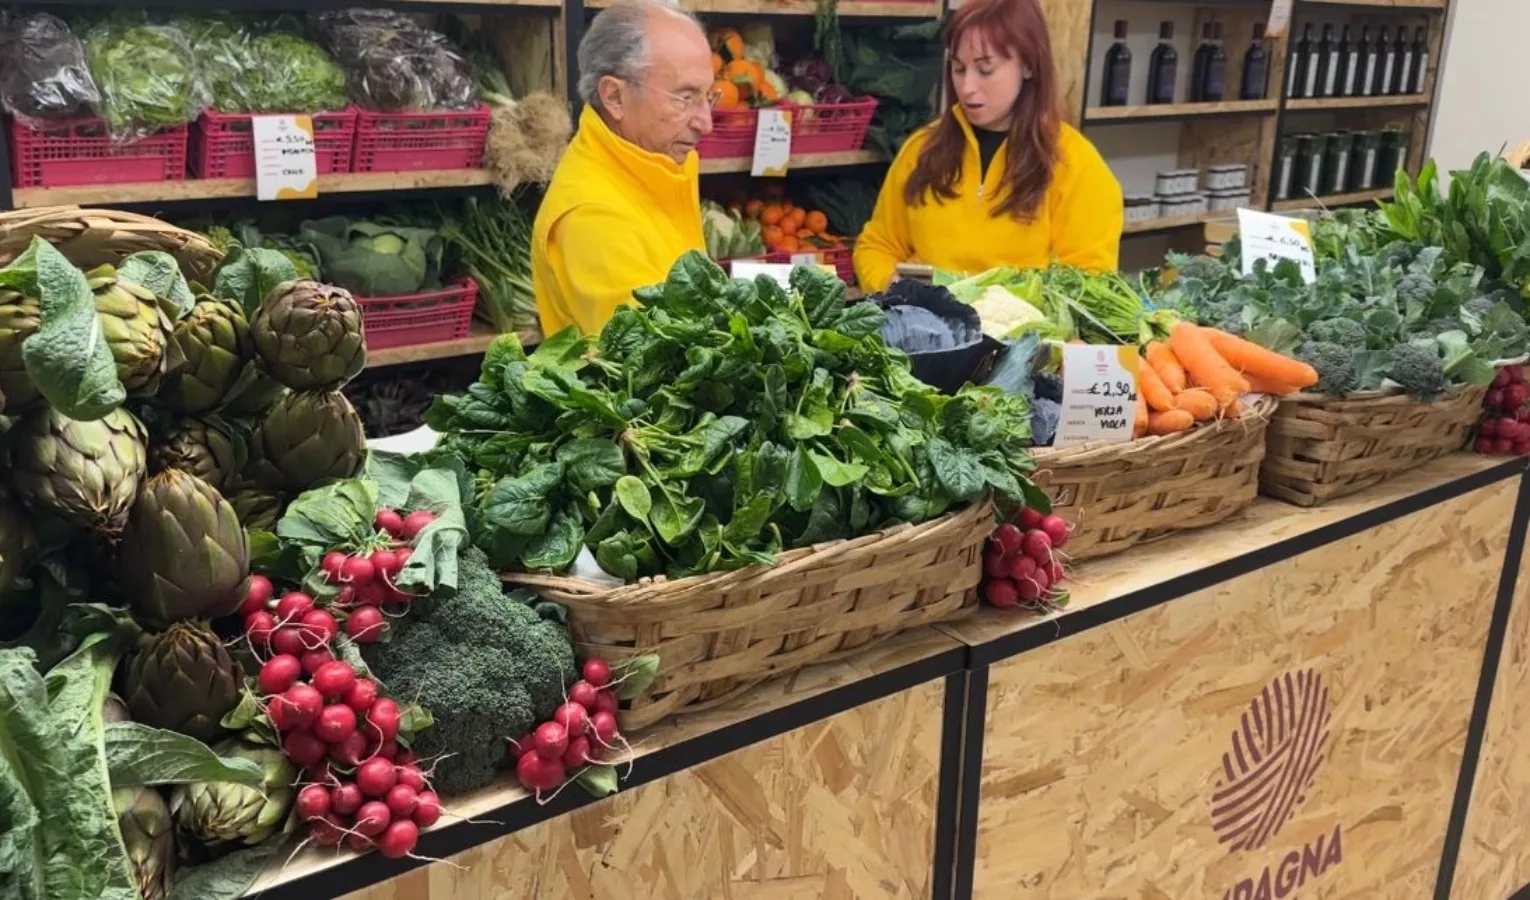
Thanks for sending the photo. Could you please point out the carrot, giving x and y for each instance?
(1204, 365)
(1197, 402)
(1233, 410)
(1247, 356)
(1149, 385)
(1261, 385)
(1171, 422)
(1140, 426)
(1167, 364)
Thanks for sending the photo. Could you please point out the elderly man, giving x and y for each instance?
(625, 201)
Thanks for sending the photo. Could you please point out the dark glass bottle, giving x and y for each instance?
(1214, 87)
(1316, 58)
(1328, 65)
(1198, 71)
(1402, 78)
(1163, 67)
(1370, 60)
(1387, 52)
(1296, 69)
(1256, 67)
(1116, 83)
(1420, 60)
(1349, 65)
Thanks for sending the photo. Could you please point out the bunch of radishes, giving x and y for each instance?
(580, 733)
(1506, 427)
(1020, 565)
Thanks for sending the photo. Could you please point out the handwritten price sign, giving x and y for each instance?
(1099, 394)
(286, 167)
(1274, 238)
(772, 144)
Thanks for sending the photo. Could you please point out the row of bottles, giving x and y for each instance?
(1363, 68)
(1208, 79)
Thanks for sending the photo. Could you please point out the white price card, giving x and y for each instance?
(1274, 238)
(772, 144)
(1279, 19)
(285, 165)
(1099, 394)
(781, 272)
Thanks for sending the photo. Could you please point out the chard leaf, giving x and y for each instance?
(67, 358)
(336, 514)
(247, 274)
(957, 470)
(592, 463)
(556, 547)
(157, 271)
(521, 505)
(634, 498)
(836, 473)
(432, 565)
(139, 755)
(600, 781)
(674, 518)
(803, 481)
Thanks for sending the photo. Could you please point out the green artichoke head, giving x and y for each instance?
(148, 833)
(308, 336)
(222, 813)
(182, 679)
(139, 329)
(85, 472)
(183, 553)
(214, 340)
(206, 448)
(307, 439)
(257, 509)
(20, 316)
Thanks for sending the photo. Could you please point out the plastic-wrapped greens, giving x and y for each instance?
(43, 71)
(223, 53)
(394, 65)
(147, 75)
(291, 74)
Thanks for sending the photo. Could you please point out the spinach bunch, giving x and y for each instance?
(715, 425)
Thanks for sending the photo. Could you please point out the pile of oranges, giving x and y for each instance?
(740, 82)
(788, 228)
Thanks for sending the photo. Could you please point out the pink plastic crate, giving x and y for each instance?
(429, 318)
(71, 152)
(841, 258)
(223, 144)
(832, 127)
(413, 142)
(732, 135)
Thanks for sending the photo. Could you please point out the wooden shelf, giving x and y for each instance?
(1170, 223)
(1350, 199)
(477, 342)
(220, 188)
(1324, 103)
(908, 9)
(798, 161)
(1399, 4)
(1180, 110)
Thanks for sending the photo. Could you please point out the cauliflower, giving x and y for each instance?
(1004, 315)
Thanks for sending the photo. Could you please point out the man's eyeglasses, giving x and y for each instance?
(688, 101)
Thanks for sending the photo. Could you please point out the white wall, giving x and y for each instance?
(1480, 106)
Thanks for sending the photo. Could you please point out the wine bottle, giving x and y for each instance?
(1315, 59)
(1256, 67)
(1402, 79)
(1198, 69)
(1214, 88)
(1301, 57)
(1349, 62)
(1116, 83)
(1371, 59)
(1328, 64)
(1420, 60)
(1388, 53)
(1163, 66)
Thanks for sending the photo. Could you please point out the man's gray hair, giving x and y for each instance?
(616, 43)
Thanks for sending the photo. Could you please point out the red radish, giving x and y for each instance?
(1489, 428)
(1494, 399)
(1038, 546)
(399, 840)
(405, 758)
(383, 717)
(1501, 377)
(292, 606)
(336, 723)
(356, 570)
(1002, 593)
(361, 694)
(1022, 568)
(572, 717)
(344, 597)
(395, 597)
(320, 774)
(1008, 538)
(372, 593)
(258, 626)
(597, 672)
(539, 773)
(1515, 395)
(401, 800)
(312, 802)
(550, 740)
(331, 564)
(366, 625)
(403, 554)
(416, 522)
(1521, 448)
(318, 628)
(376, 777)
(385, 564)
(300, 705)
(313, 660)
(1055, 573)
(412, 776)
(995, 563)
(1522, 414)
(288, 640)
(582, 693)
(427, 809)
(1056, 528)
(603, 726)
(387, 750)
(372, 818)
(358, 842)
(1043, 579)
(279, 673)
(334, 678)
(350, 751)
(605, 701)
(1030, 518)
(1502, 446)
(303, 748)
(1482, 445)
(389, 520)
(257, 593)
(327, 831)
(345, 799)
(517, 746)
(577, 754)
(1029, 590)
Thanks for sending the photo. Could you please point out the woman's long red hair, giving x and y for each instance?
(1013, 29)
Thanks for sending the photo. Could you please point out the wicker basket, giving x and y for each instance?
(1323, 447)
(718, 635)
(1119, 495)
(93, 237)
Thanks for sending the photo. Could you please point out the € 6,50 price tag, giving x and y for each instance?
(285, 165)
(1099, 394)
(1274, 238)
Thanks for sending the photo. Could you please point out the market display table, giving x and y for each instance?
(1296, 702)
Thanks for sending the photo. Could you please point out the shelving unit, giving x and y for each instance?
(1318, 104)
(798, 161)
(475, 343)
(1100, 114)
(240, 188)
(1352, 198)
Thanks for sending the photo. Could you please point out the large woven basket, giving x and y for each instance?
(93, 237)
(1119, 495)
(1323, 447)
(718, 635)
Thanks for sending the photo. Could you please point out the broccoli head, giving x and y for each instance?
(1203, 268)
(1436, 327)
(1344, 332)
(1335, 366)
(485, 663)
(1418, 368)
(1479, 306)
(1415, 289)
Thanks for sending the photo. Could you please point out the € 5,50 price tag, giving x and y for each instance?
(1099, 394)
(772, 144)
(285, 165)
(1274, 238)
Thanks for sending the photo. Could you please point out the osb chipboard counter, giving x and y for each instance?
(1280, 703)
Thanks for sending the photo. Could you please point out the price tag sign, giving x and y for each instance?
(285, 165)
(1274, 238)
(772, 144)
(1099, 394)
(1278, 20)
(780, 272)
(806, 259)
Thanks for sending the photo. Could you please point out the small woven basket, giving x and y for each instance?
(1117, 496)
(1323, 447)
(718, 635)
(94, 237)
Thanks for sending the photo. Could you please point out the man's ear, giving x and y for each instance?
(612, 96)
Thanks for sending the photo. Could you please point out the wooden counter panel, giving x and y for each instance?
(844, 808)
(1495, 850)
(1103, 751)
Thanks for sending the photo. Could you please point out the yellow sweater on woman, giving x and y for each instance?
(1078, 223)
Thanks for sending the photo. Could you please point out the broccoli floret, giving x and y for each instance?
(486, 665)
(1436, 327)
(1344, 332)
(1478, 306)
(1418, 368)
(1203, 268)
(1335, 366)
(1415, 289)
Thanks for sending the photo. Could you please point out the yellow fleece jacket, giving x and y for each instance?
(1079, 222)
(615, 217)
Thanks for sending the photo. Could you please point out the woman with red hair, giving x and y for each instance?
(998, 179)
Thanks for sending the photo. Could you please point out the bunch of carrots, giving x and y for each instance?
(1200, 373)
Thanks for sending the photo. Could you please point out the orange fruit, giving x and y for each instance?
(772, 235)
(793, 220)
(789, 245)
(771, 215)
(817, 222)
(717, 64)
(728, 96)
(753, 208)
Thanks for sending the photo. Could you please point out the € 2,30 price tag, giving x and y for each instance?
(772, 144)
(285, 165)
(1099, 394)
(1274, 238)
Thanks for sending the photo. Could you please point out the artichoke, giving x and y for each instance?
(306, 440)
(308, 335)
(254, 396)
(220, 813)
(17, 542)
(184, 554)
(204, 448)
(257, 509)
(147, 833)
(19, 318)
(139, 328)
(214, 340)
(86, 472)
(183, 680)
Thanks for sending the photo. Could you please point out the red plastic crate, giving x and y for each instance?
(413, 142)
(71, 152)
(429, 318)
(832, 127)
(732, 135)
(841, 258)
(223, 144)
